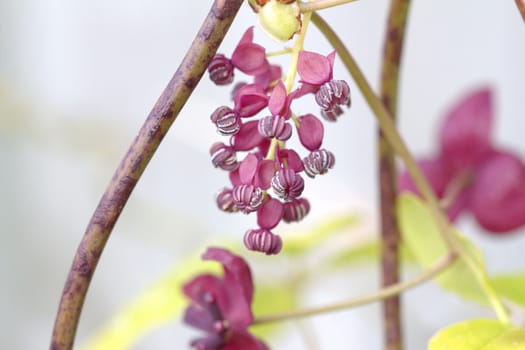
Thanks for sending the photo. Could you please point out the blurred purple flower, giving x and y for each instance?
(221, 306)
(470, 173)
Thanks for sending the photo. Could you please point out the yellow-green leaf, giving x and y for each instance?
(271, 299)
(422, 238)
(511, 286)
(479, 335)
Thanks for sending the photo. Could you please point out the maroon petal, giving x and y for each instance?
(249, 100)
(264, 174)
(242, 340)
(238, 284)
(314, 68)
(290, 159)
(498, 193)
(248, 136)
(311, 132)
(465, 135)
(277, 99)
(235, 178)
(270, 214)
(250, 58)
(247, 37)
(248, 168)
(269, 76)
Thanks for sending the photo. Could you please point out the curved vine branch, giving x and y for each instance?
(390, 236)
(132, 166)
(521, 7)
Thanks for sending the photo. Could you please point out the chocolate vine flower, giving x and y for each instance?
(221, 306)
(471, 174)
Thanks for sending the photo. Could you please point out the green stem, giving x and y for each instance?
(390, 236)
(384, 293)
(321, 4)
(389, 130)
(132, 166)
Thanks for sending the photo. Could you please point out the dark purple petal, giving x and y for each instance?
(465, 135)
(199, 317)
(296, 210)
(287, 185)
(248, 137)
(318, 162)
(314, 68)
(211, 342)
(498, 193)
(270, 213)
(310, 131)
(221, 70)
(262, 240)
(238, 284)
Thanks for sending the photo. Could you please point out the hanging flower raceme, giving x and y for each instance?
(268, 181)
(471, 174)
(221, 305)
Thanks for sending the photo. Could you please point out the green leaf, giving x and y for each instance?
(305, 240)
(511, 286)
(270, 299)
(422, 238)
(479, 335)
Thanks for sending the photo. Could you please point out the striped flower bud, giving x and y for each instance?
(223, 157)
(275, 126)
(261, 240)
(248, 198)
(318, 162)
(221, 70)
(331, 95)
(332, 114)
(296, 210)
(225, 201)
(287, 184)
(227, 121)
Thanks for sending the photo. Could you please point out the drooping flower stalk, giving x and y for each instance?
(132, 166)
(390, 235)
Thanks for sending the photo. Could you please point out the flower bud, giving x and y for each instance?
(275, 126)
(223, 157)
(280, 20)
(221, 70)
(287, 184)
(225, 201)
(227, 121)
(318, 162)
(248, 198)
(330, 96)
(296, 210)
(262, 240)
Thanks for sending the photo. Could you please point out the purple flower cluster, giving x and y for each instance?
(473, 174)
(269, 180)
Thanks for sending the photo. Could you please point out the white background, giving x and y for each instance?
(77, 79)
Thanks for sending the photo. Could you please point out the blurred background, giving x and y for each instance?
(78, 78)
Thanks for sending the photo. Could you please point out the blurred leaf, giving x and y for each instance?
(157, 305)
(479, 335)
(511, 286)
(301, 243)
(421, 236)
(270, 299)
(365, 251)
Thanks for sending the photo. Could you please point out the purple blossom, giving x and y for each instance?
(471, 173)
(287, 185)
(318, 162)
(221, 306)
(227, 121)
(223, 156)
(248, 57)
(296, 210)
(225, 201)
